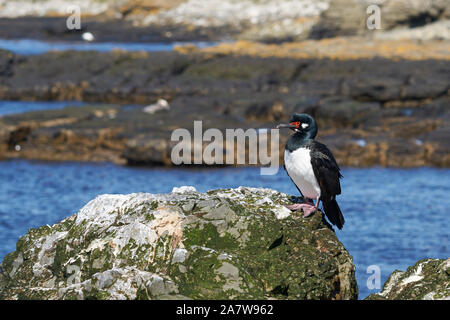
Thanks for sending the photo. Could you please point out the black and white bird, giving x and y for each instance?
(312, 168)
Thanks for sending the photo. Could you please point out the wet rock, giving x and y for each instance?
(428, 279)
(223, 244)
(5, 132)
(105, 28)
(389, 104)
(338, 112)
(146, 150)
(6, 63)
(113, 76)
(266, 112)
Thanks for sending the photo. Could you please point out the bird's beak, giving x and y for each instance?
(287, 126)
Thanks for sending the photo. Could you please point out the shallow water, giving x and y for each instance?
(13, 107)
(32, 47)
(8, 107)
(394, 217)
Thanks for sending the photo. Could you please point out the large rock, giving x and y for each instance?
(428, 279)
(341, 19)
(349, 17)
(224, 244)
(413, 13)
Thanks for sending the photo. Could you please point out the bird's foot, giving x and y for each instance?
(307, 208)
(309, 211)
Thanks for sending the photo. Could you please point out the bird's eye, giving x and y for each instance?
(296, 123)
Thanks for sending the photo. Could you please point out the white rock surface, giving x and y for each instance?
(236, 12)
(184, 189)
(20, 8)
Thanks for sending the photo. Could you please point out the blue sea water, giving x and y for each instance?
(394, 217)
(32, 47)
(13, 107)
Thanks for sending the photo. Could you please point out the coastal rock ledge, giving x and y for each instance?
(224, 244)
(428, 279)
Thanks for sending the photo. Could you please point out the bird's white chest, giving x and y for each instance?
(299, 167)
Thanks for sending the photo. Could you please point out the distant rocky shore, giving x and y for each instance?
(371, 111)
(381, 96)
(266, 20)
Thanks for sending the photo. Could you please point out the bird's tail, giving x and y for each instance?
(334, 213)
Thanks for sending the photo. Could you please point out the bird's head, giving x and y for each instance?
(302, 123)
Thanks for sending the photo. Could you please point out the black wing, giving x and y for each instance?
(326, 170)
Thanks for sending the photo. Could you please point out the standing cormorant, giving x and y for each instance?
(312, 168)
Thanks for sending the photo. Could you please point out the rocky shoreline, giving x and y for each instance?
(371, 111)
(223, 244)
(105, 30)
(381, 96)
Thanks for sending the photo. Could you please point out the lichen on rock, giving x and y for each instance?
(224, 244)
(428, 279)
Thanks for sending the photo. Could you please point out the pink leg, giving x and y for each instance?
(317, 203)
(308, 207)
(313, 208)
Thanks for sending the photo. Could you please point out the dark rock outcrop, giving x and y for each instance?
(370, 111)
